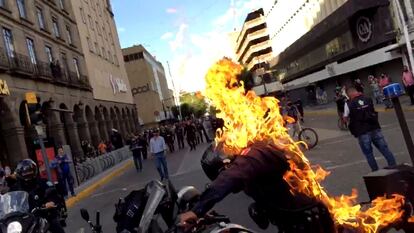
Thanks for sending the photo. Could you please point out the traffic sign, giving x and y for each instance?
(31, 98)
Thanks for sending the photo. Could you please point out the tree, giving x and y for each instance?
(193, 103)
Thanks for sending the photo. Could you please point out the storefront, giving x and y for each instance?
(355, 41)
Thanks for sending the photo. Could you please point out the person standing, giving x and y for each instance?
(102, 148)
(169, 138)
(364, 125)
(190, 132)
(385, 81)
(157, 149)
(62, 163)
(408, 81)
(359, 86)
(373, 82)
(144, 144)
(136, 149)
(116, 139)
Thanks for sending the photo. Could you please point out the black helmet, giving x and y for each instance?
(214, 161)
(26, 170)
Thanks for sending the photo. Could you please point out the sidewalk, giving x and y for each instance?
(88, 187)
(330, 108)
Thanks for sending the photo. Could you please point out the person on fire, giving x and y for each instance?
(258, 171)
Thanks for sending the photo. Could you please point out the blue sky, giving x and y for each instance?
(190, 34)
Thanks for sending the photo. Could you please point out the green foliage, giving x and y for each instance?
(193, 103)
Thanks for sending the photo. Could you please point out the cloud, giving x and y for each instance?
(179, 38)
(121, 29)
(167, 36)
(171, 10)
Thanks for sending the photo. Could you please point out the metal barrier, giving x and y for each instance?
(94, 166)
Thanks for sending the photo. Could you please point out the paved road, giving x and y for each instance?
(337, 151)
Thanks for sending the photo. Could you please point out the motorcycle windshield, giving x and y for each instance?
(17, 201)
(156, 193)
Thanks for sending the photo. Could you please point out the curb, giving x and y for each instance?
(92, 188)
(334, 113)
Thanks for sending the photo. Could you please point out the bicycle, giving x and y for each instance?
(304, 134)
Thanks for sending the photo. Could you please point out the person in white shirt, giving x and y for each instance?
(157, 149)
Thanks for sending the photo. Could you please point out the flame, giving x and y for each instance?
(411, 220)
(249, 118)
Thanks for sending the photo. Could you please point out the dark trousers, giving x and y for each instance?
(410, 92)
(191, 142)
(136, 154)
(171, 146)
(54, 225)
(66, 181)
(144, 153)
(180, 140)
(201, 136)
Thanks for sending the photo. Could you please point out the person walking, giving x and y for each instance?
(385, 81)
(62, 164)
(364, 125)
(179, 132)
(190, 132)
(144, 144)
(157, 149)
(136, 149)
(102, 147)
(408, 80)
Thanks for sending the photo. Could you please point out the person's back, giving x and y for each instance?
(362, 116)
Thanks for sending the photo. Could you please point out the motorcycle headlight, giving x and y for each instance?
(14, 227)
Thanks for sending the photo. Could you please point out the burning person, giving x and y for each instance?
(270, 167)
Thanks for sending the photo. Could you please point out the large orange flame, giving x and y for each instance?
(249, 118)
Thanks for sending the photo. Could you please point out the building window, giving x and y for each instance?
(31, 50)
(49, 53)
(69, 34)
(21, 7)
(76, 65)
(97, 49)
(55, 27)
(40, 17)
(90, 22)
(8, 41)
(61, 4)
(89, 44)
(2, 3)
(82, 15)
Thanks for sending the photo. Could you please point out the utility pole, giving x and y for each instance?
(403, 24)
(177, 99)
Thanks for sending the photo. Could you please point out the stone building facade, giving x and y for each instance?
(41, 53)
(149, 85)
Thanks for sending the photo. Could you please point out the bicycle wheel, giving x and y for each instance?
(309, 136)
(79, 174)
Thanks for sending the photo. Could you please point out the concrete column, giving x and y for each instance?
(109, 126)
(132, 124)
(116, 124)
(83, 131)
(15, 143)
(128, 126)
(409, 10)
(56, 128)
(122, 127)
(74, 140)
(103, 130)
(94, 131)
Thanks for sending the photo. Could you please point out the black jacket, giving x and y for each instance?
(362, 116)
(259, 174)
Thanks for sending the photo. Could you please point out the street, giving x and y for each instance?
(337, 152)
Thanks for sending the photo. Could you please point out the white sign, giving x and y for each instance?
(364, 29)
(118, 85)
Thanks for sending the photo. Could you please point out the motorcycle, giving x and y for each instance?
(155, 208)
(15, 215)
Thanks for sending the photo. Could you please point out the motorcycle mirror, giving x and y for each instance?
(85, 214)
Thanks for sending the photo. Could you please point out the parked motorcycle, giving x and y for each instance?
(155, 209)
(15, 215)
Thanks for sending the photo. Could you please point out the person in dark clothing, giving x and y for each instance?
(359, 86)
(200, 128)
(116, 139)
(259, 171)
(364, 125)
(299, 106)
(179, 132)
(142, 141)
(136, 149)
(190, 132)
(169, 139)
(42, 194)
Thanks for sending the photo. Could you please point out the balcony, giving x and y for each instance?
(21, 65)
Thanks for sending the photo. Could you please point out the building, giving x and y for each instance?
(253, 48)
(102, 51)
(41, 60)
(149, 85)
(321, 44)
